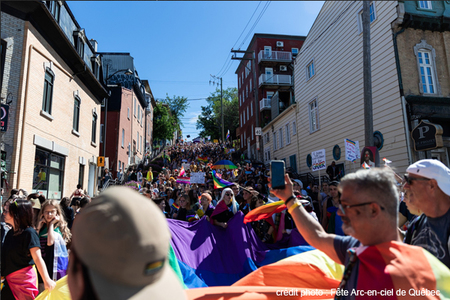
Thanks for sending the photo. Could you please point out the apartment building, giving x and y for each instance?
(273, 54)
(50, 85)
(126, 112)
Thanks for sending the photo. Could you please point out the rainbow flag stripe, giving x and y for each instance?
(366, 166)
(185, 180)
(202, 159)
(177, 207)
(265, 211)
(219, 183)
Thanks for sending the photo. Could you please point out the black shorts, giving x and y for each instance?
(75, 201)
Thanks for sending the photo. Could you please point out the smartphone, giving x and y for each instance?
(277, 171)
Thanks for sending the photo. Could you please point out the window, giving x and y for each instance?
(2, 59)
(48, 174)
(247, 114)
(78, 39)
(128, 113)
(281, 137)
(274, 141)
(94, 127)
(241, 119)
(426, 63)
(253, 133)
(123, 137)
(313, 116)
(250, 85)
(142, 146)
(251, 107)
(55, 8)
(139, 115)
(425, 5)
(246, 91)
(76, 113)
(372, 16)
(245, 135)
(134, 111)
(294, 128)
(101, 132)
(294, 51)
(81, 174)
(288, 137)
(267, 138)
(310, 70)
(426, 74)
(244, 116)
(137, 141)
(48, 91)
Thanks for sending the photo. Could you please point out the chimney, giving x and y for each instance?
(94, 44)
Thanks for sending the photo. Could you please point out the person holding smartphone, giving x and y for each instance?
(368, 208)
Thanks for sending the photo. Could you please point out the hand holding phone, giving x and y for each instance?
(277, 171)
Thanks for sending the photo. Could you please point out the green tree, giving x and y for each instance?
(164, 125)
(210, 121)
(178, 106)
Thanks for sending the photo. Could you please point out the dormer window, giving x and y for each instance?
(79, 40)
(95, 61)
(55, 8)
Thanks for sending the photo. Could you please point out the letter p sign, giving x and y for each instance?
(422, 131)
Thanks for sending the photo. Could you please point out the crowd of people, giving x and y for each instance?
(368, 207)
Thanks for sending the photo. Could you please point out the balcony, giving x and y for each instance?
(264, 104)
(275, 56)
(275, 80)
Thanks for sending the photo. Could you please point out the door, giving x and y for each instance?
(91, 180)
(269, 75)
(267, 52)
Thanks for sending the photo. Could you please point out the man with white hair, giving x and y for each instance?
(368, 208)
(428, 188)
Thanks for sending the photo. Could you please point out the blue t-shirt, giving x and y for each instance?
(433, 234)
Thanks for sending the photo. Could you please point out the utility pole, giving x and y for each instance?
(368, 112)
(221, 102)
(253, 59)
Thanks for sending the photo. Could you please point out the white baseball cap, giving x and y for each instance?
(432, 169)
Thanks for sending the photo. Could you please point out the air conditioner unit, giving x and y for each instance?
(280, 44)
(283, 68)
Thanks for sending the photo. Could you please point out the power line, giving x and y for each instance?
(256, 22)
(247, 24)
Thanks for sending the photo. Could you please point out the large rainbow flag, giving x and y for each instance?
(219, 183)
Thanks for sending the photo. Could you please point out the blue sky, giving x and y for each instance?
(176, 45)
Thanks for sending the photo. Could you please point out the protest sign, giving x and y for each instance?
(318, 160)
(198, 177)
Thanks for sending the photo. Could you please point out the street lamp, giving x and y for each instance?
(126, 72)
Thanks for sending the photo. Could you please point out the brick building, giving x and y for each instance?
(50, 83)
(273, 60)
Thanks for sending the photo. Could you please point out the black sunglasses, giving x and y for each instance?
(409, 180)
(344, 207)
(228, 194)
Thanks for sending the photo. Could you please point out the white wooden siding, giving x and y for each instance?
(338, 84)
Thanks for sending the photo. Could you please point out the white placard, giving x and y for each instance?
(186, 166)
(198, 177)
(351, 150)
(318, 160)
(258, 131)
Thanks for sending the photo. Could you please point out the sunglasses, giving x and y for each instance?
(344, 207)
(228, 194)
(409, 180)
